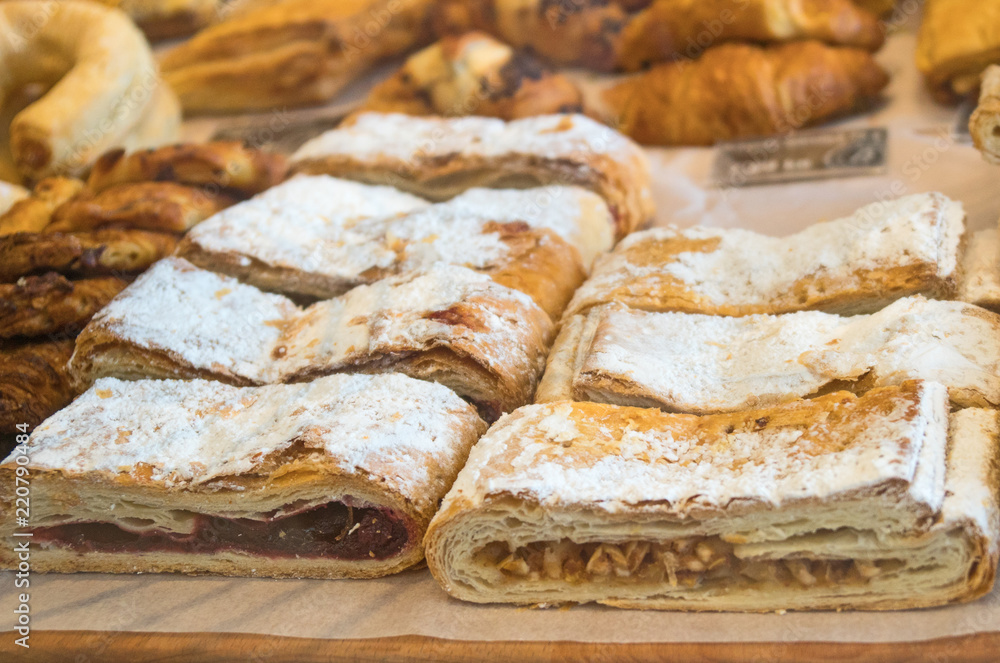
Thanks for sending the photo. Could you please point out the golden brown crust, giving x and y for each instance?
(294, 53)
(47, 304)
(672, 29)
(34, 381)
(958, 39)
(226, 165)
(473, 74)
(581, 32)
(156, 206)
(737, 91)
(985, 122)
(33, 213)
(97, 253)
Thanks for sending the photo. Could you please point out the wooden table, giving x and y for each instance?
(106, 647)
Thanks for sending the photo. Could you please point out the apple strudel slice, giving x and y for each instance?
(331, 479)
(841, 502)
(857, 264)
(506, 234)
(447, 324)
(438, 158)
(687, 362)
(981, 271)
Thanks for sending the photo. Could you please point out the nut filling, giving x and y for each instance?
(689, 562)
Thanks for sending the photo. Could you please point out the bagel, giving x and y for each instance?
(103, 78)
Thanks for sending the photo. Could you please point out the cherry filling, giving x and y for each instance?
(333, 530)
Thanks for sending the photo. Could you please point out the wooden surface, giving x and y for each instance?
(126, 647)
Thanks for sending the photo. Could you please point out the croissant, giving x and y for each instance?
(98, 253)
(474, 74)
(985, 123)
(34, 381)
(670, 29)
(33, 213)
(38, 305)
(738, 90)
(958, 39)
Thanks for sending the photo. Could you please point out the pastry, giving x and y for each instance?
(102, 96)
(98, 253)
(218, 165)
(981, 271)
(878, 502)
(439, 158)
(504, 233)
(447, 324)
(684, 362)
(857, 264)
(50, 303)
(32, 213)
(566, 32)
(170, 19)
(336, 478)
(672, 29)
(740, 91)
(295, 53)
(10, 194)
(474, 74)
(877, 7)
(34, 381)
(958, 40)
(985, 123)
(157, 206)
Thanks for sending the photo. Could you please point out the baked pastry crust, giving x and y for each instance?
(227, 165)
(958, 40)
(581, 32)
(438, 158)
(841, 502)
(985, 122)
(10, 194)
(981, 271)
(739, 90)
(184, 451)
(672, 29)
(474, 74)
(156, 206)
(310, 249)
(857, 264)
(700, 363)
(297, 52)
(447, 324)
(98, 253)
(50, 303)
(33, 213)
(34, 381)
(169, 19)
(101, 98)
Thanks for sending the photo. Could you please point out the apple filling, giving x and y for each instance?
(333, 530)
(689, 562)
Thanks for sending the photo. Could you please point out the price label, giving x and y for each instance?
(807, 155)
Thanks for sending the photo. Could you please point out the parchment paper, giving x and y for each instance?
(924, 156)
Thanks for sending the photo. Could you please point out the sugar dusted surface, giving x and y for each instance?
(972, 472)
(406, 138)
(394, 315)
(210, 320)
(614, 465)
(981, 279)
(299, 222)
(747, 268)
(400, 233)
(187, 433)
(700, 363)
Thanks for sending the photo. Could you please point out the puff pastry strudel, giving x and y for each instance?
(447, 324)
(335, 478)
(438, 158)
(981, 271)
(857, 264)
(842, 502)
(531, 240)
(686, 362)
